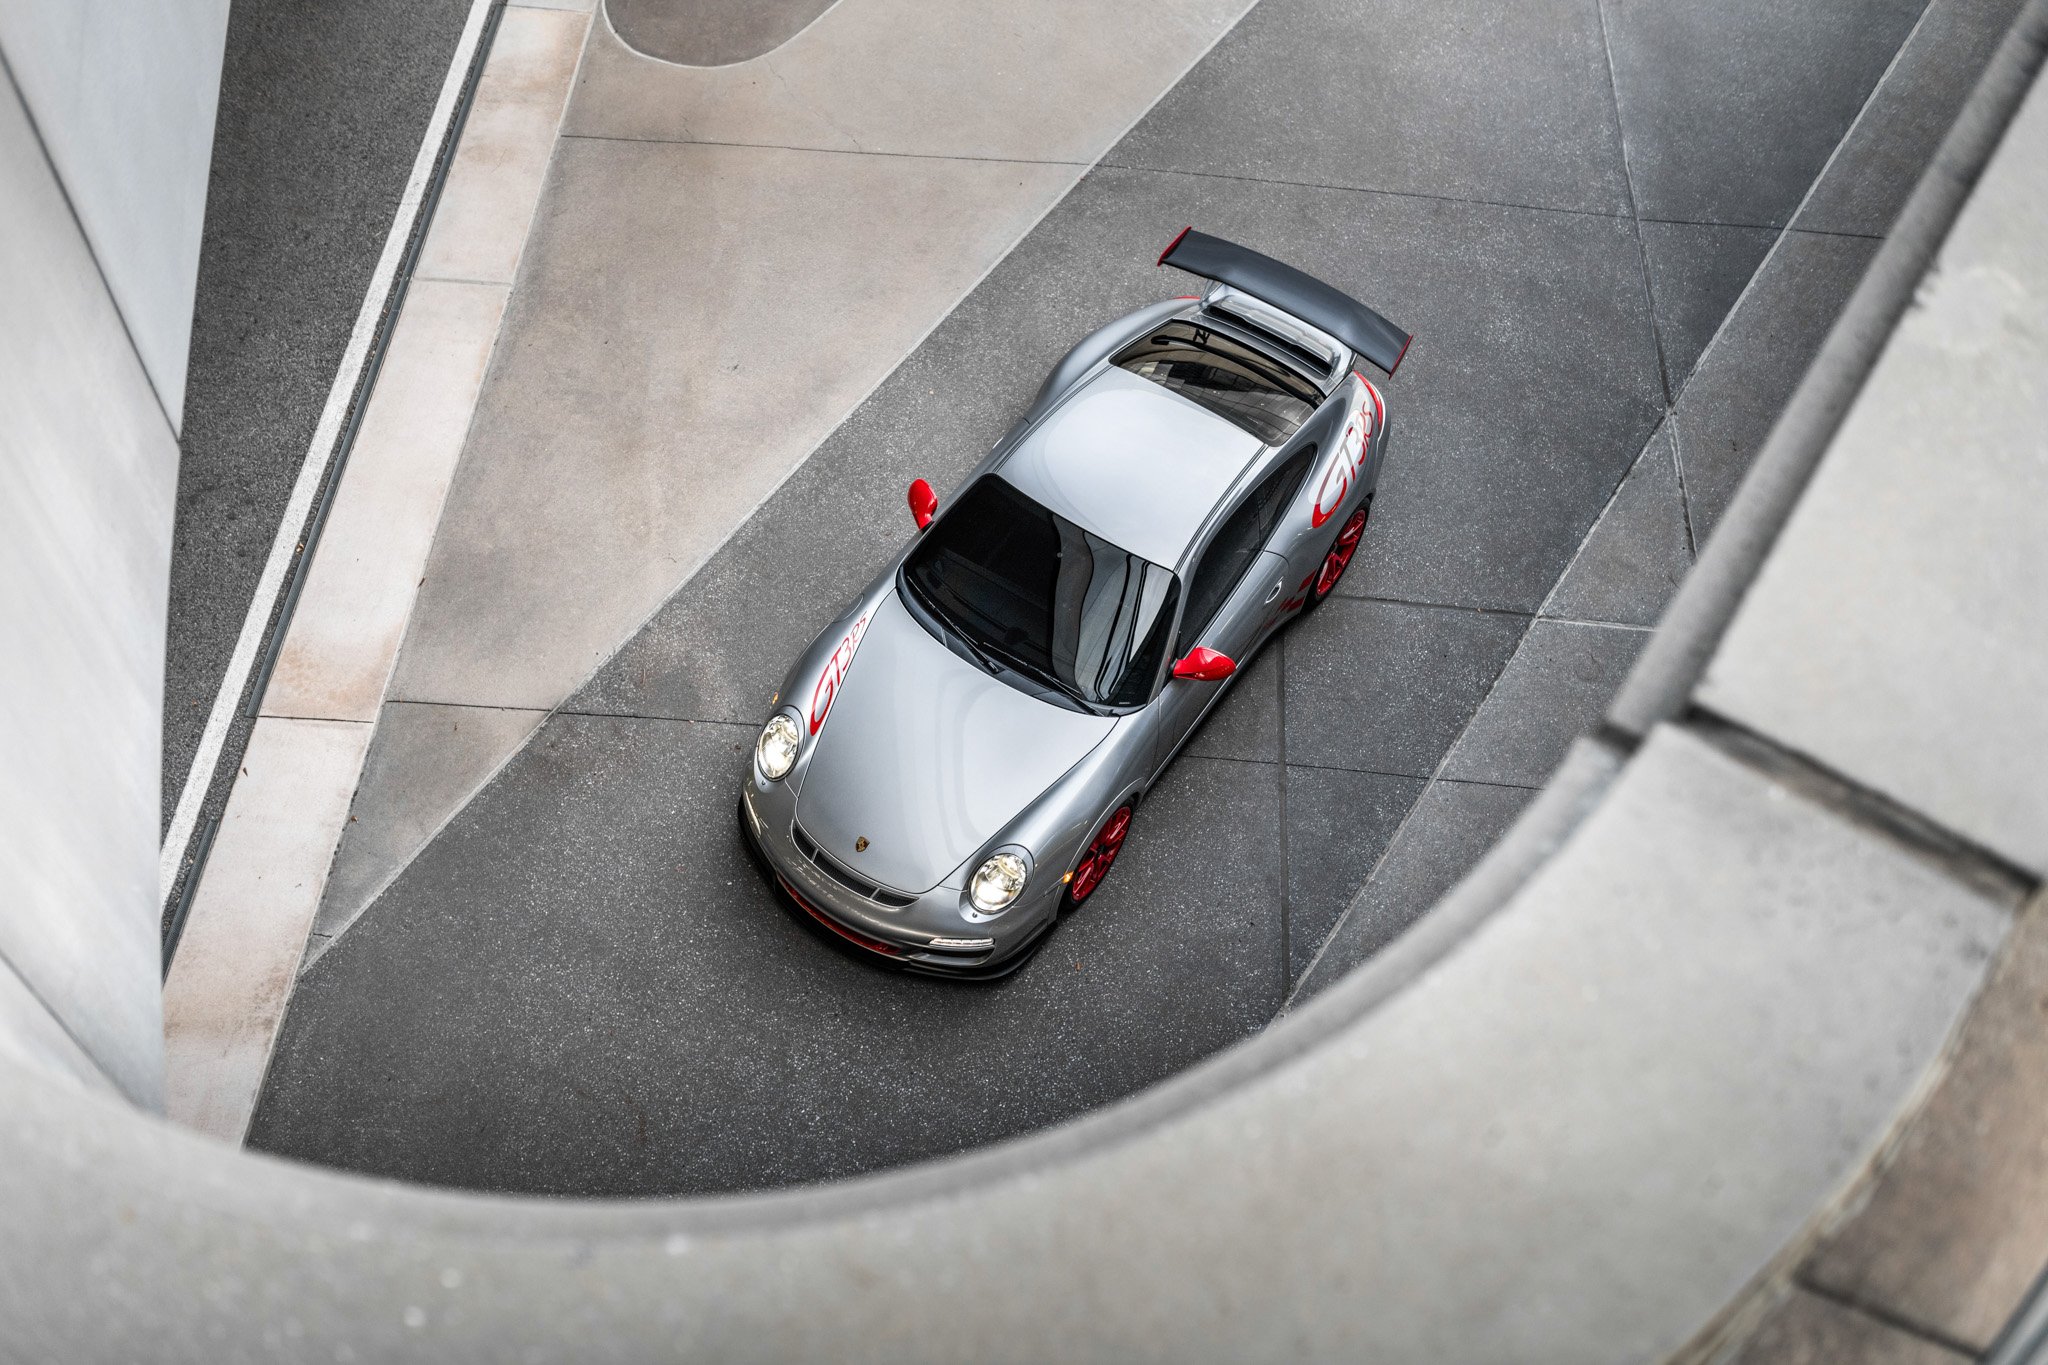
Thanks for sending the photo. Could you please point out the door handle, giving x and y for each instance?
(1274, 591)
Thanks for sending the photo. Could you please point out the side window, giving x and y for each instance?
(1238, 543)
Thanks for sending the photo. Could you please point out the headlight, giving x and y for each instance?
(999, 881)
(775, 751)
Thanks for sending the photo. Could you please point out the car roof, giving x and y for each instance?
(1133, 462)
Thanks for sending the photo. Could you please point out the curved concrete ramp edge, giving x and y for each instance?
(710, 32)
(1501, 1131)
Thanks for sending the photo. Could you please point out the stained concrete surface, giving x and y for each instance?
(1955, 1232)
(1530, 396)
(321, 113)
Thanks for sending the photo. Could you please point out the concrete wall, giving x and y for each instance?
(123, 94)
(103, 159)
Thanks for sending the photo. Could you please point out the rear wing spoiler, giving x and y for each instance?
(1289, 290)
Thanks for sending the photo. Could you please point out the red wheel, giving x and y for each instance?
(1100, 857)
(1339, 558)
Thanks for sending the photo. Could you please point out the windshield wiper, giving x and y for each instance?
(1031, 670)
(991, 658)
(945, 618)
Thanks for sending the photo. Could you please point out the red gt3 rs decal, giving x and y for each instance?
(1379, 407)
(835, 672)
(1348, 465)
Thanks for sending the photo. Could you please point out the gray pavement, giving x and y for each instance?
(321, 113)
(581, 985)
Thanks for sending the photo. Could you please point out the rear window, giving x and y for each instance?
(1242, 386)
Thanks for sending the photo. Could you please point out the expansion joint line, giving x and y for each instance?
(1980, 868)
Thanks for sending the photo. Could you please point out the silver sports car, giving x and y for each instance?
(957, 760)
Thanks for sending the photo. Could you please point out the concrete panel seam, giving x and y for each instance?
(1980, 868)
(1628, 184)
(1436, 775)
(1877, 1312)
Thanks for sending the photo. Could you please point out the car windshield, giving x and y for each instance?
(1031, 590)
(1256, 394)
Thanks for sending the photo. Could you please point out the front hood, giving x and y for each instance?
(927, 757)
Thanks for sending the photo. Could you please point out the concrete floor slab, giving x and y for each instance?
(487, 202)
(1697, 271)
(989, 79)
(1511, 106)
(1552, 691)
(577, 990)
(1386, 687)
(1730, 110)
(1450, 828)
(1246, 723)
(1883, 156)
(1910, 574)
(1635, 555)
(359, 592)
(1338, 825)
(401, 800)
(673, 384)
(1745, 376)
(1531, 386)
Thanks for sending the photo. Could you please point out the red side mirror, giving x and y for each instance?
(923, 502)
(1205, 665)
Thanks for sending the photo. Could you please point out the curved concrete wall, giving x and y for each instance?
(1478, 1148)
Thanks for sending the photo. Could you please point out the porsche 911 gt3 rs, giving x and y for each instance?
(957, 760)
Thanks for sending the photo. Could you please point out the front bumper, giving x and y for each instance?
(928, 935)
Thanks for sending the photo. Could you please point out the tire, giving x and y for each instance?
(1342, 551)
(1099, 857)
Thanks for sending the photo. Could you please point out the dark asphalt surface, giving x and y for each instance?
(583, 987)
(322, 110)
